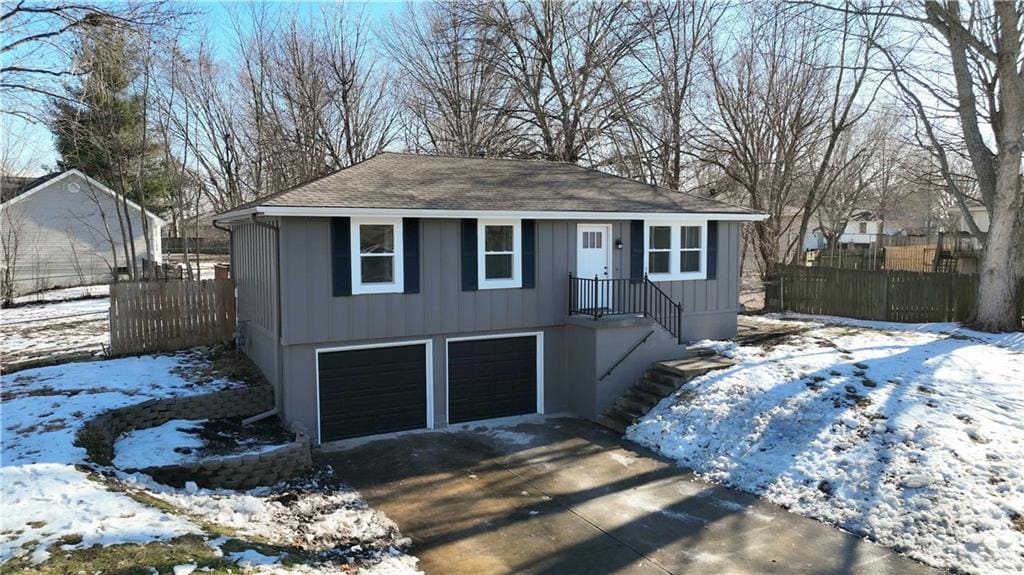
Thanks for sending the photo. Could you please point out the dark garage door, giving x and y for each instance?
(369, 391)
(491, 378)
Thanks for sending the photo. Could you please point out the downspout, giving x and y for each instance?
(279, 360)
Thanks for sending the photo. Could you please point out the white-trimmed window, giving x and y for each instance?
(377, 255)
(499, 254)
(676, 250)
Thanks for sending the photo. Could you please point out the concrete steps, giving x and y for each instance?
(659, 381)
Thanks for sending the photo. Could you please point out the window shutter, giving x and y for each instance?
(712, 249)
(341, 256)
(636, 249)
(529, 255)
(469, 241)
(411, 254)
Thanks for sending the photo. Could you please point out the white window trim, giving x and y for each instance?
(517, 255)
(396, 286)
(675, 249)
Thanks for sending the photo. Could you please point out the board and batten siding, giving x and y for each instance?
(311, 314)
(720, 294)
(254, 271)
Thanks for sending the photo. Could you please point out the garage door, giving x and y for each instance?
(490, 378)
(367, 391)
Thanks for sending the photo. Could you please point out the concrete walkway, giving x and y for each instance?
(564, 496)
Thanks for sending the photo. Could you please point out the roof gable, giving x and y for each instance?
(41, 183)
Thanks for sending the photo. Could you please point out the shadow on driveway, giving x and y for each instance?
(565, 496)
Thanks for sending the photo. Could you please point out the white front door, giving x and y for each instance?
(594, 259)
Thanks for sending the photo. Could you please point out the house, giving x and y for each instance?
(865, 228)
(413, 291)
(200, 233)
(64, 229)
(980, 215)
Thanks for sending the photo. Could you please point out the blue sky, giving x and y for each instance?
(29, 146)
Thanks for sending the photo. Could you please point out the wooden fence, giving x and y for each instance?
(170, 315)
(914, 297)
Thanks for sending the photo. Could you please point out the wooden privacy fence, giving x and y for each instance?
(170, 315)
(914, 297)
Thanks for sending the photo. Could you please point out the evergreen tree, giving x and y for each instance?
(100, 128)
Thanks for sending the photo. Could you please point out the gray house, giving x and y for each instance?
(65, 229)
(413, 291)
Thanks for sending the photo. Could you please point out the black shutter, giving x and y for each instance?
(469, 255)
(411, 254)
(529, 255)
(341, 256)
(712, 249)
(636, 249)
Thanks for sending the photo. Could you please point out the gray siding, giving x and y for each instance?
(68, 239)
(720, 294)
(254, 270)
(310, 313)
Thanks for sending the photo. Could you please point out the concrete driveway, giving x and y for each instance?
(564, 496)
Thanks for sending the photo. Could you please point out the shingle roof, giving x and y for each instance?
(411, 181)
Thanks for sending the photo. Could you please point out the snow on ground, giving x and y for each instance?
(48, 501)
(317, 514)
(64, 294)
(59, 324)
(45, 497)
(175, 442)
(160, 445)
(910, 436)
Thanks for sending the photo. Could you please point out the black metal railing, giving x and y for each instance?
(599, 297)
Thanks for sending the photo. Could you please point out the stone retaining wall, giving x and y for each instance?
(239, 471)
(99, 435)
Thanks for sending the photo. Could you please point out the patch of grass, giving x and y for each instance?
(69, 539)
(147, 499)
(36, 524)
(1017, 521)
(127, 559)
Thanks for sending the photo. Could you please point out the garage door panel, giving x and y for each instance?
(368, 391)
(490, 378)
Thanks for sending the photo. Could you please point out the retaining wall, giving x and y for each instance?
(99, 435)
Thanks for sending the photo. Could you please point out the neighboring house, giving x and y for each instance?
(414, 291)
(63, 230)
(866, 228)
(211, 239)
(980, 215)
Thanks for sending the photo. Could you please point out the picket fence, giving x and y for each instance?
(157, 316)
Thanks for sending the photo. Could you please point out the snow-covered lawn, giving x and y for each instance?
(55, 322)
(50, 500)
(910, 435)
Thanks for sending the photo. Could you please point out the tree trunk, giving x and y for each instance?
(997, 285)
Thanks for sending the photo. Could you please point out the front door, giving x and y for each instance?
(594, 259)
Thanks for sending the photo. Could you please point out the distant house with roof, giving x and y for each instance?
(64, 229)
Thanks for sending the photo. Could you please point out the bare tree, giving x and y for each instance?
(654, 102)
(560, 57)
(457, 99)
(780, 105)
(40, 40)
(972, 105)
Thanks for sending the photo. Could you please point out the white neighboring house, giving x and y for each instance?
(865, 228)
(981, 219)
(63, 230)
